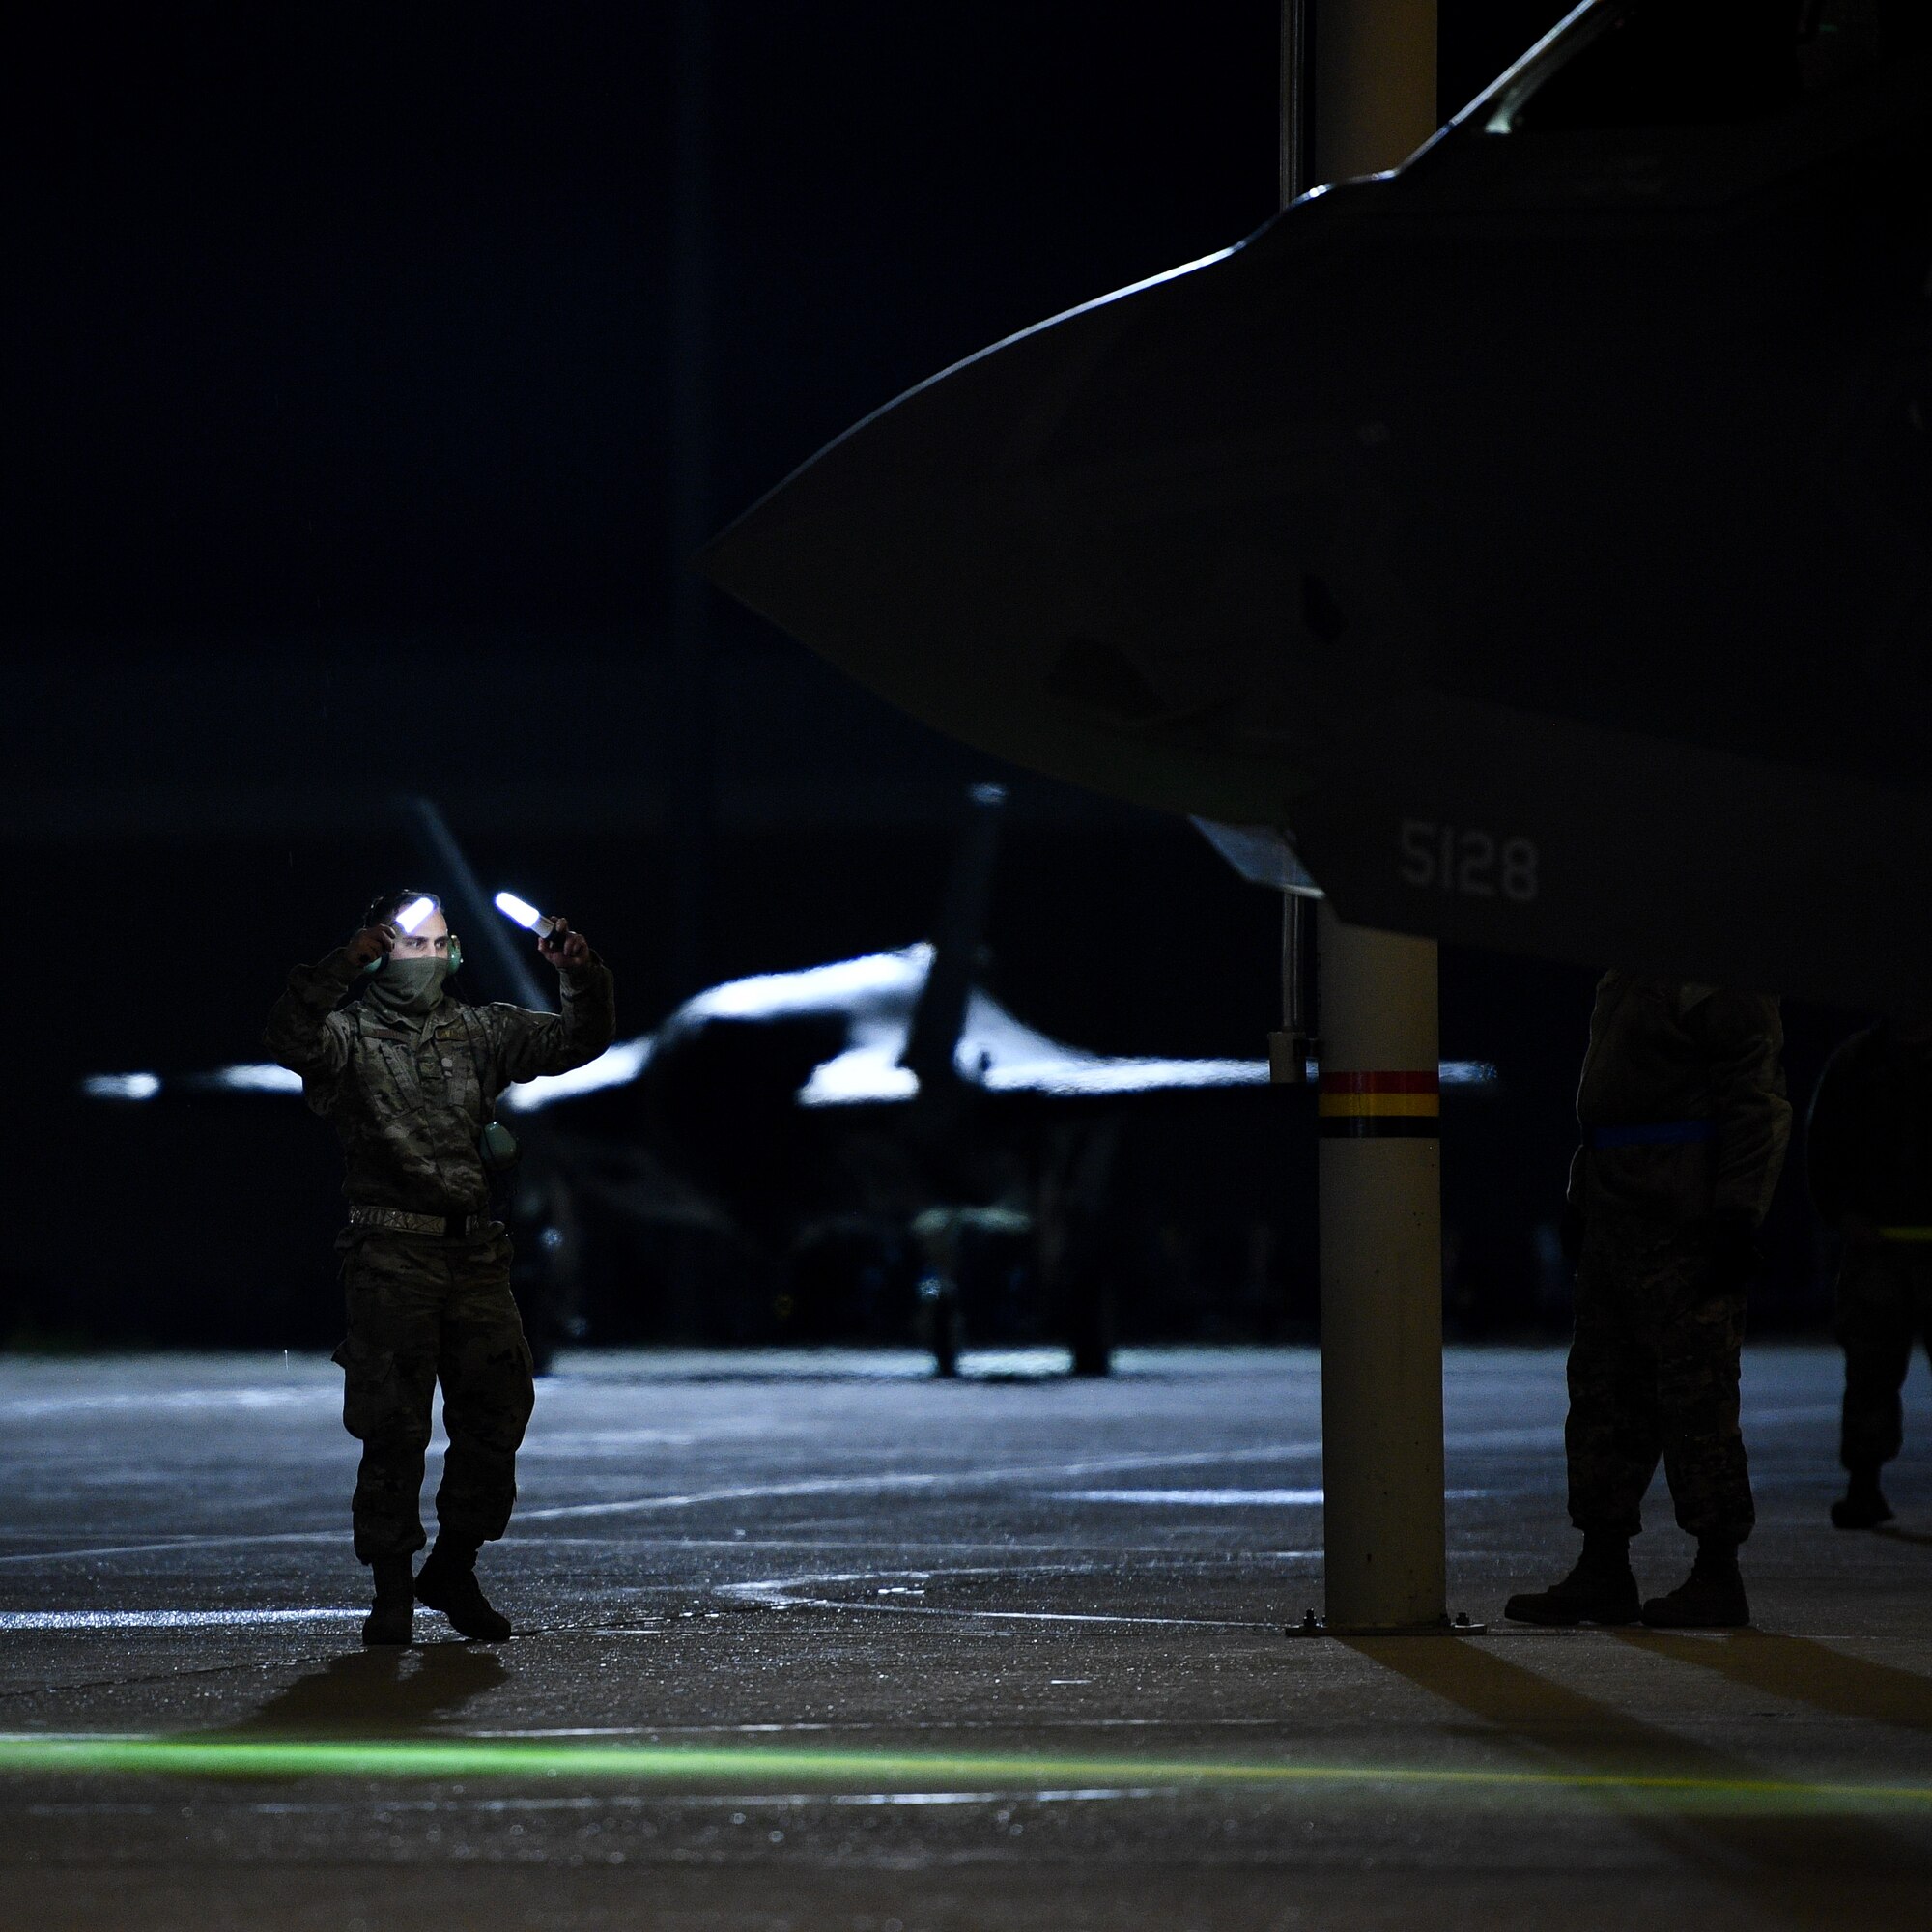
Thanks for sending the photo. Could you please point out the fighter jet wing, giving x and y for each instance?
(875, 998)
(1538, 532)
(617, 1066)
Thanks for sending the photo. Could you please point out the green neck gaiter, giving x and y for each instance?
(406, 989)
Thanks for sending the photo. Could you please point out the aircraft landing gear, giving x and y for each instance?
(941, 1329)
(1089, 1331)
(1074, 1251)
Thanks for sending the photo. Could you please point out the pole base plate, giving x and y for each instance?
(1460, 1625)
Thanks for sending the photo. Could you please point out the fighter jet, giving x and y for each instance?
(1536, 534)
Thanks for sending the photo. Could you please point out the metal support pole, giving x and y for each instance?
(1372, 97)
(688, 746)
(1381, 1280)
(1291, 1044)
(1297, 99)
(1361, 96)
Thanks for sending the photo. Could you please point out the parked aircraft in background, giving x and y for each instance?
(867, 1144)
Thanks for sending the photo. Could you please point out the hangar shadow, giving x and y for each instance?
(1793, 1865)
(1805, 1672)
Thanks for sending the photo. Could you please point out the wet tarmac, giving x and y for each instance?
(813, 1641)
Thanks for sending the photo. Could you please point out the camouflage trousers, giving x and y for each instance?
(1885, 1302)
(1653, 1372)
(423, 1309)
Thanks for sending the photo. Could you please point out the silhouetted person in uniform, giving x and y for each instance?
(1868, 1157)
(409, 1075)
(1685, 1128)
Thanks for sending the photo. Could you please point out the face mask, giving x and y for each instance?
(407, 988)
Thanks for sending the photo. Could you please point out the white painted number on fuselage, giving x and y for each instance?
(1464, 861)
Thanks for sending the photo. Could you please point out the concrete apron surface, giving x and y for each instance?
(811, 1640)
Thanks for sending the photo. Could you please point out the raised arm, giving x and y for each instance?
(529, 1044)
(299, 1035)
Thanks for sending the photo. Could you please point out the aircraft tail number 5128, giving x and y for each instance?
(1477, 864)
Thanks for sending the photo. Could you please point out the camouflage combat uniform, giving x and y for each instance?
(1684, 1127)
(407, 1099)
(1868, 1156)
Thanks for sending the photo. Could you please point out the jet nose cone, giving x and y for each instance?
(1003, 552)
(885, 530)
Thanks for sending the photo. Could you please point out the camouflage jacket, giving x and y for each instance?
(408, 1098)
(1666, 1052)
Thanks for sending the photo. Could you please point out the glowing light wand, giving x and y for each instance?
(414, 913)
(521, 912)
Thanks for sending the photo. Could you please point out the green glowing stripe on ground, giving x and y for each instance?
(685, 1764)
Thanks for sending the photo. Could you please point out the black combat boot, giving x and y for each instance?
(394, 1611)
(447, 1582)
(1711, 1598)
(1862, 1506)
(1599, 1590)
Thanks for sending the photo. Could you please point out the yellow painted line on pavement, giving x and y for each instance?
(207, 1756)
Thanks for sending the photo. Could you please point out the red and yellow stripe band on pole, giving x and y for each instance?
(1381, 1106)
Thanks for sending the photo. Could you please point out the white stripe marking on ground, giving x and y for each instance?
(165, 1620)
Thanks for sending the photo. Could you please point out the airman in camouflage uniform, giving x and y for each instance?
(1685, 1129)
(1869, 1147)
(409, 1078)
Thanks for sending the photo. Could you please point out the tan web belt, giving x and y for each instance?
(406, 1223)
(1905, 1234)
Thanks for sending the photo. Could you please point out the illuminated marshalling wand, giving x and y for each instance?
(520, 912)
(414, 914)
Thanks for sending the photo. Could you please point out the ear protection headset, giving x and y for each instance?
(383, 908)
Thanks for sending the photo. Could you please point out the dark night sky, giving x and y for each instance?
(338, 402)
(357, 322)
